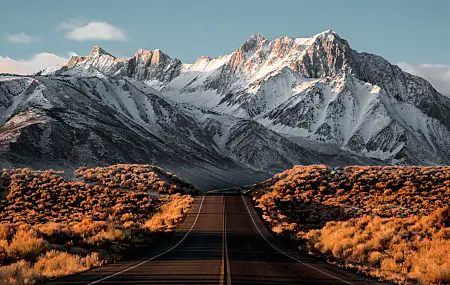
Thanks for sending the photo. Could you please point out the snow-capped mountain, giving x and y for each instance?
(319, 88)
(64, 122)
(314, 88)
(265, 106)
(153, 66)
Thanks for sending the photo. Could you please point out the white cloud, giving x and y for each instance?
(437, 74)
(34, 64)
(21, 38)
(82, 30)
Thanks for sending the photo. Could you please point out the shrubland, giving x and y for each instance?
(136, 177)
(389, 222)
(52, 227)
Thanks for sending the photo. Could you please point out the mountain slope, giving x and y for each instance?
(261, 109)
(78, 120)
(314, 88)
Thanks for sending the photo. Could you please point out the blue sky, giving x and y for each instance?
(402, 30)
(409, 31)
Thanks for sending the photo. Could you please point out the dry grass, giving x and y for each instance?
(52, 264)
(18, 273)
(171, 213)
(136, 177)
(55, 263)
(37, 197)
(26, 244)
(51, 227)
(403, 249)
(389, 222)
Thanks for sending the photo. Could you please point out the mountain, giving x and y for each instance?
(318, 88)
(314, 88)
(261, 109)
(64, 122)
(153, 66)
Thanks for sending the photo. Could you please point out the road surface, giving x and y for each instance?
(222, 241)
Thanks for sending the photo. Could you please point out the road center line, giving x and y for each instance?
(222, 266)
(225, 275)
(227, 261)
(286, 254)
(156, 256)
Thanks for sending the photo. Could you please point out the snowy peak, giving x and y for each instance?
(142, 55)
(154, 67)
(149, 57)
(252, 43)
(97, 51)
(257, 58)
(98, 58)
(328, 34)
(319, 56)
(329, 42)
(159, 57)
(313, 89)
(74, 61)
(202, 59)
(246, 51)
(326, 55)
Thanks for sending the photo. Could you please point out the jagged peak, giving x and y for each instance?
(203, 58)
(158, 52)
(143, 51)
(159, 56)
(285, 38)
(327, 34)
(98, 51)
(143, 54)
(156, 55)
(256, 37)
(252, 42)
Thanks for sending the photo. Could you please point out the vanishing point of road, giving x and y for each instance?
(222, 241)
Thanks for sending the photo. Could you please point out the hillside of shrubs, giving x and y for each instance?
(51, 227)
(392, 223)
(136, 177)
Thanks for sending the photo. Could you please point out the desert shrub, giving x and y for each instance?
(171, 213)
(136, 177)
(390, 222)
(26, 245)
(431, 262)
(6, 231)
(51, 227)
(87, 227)
(37, 197)
(394, 248)
(55, 263)
(18, 273)
(106, 236)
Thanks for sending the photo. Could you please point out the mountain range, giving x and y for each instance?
(228, 120)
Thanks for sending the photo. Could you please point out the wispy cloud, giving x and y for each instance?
(21, 38)
(31, 65)
(83, 30)
(437, 74)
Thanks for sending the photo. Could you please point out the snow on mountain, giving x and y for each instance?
(64, 122)
(319, 88)
(153, 66)
(310, 91)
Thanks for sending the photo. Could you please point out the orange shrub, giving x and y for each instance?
(391, 222)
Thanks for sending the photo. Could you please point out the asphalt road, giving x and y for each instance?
(222, 241)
